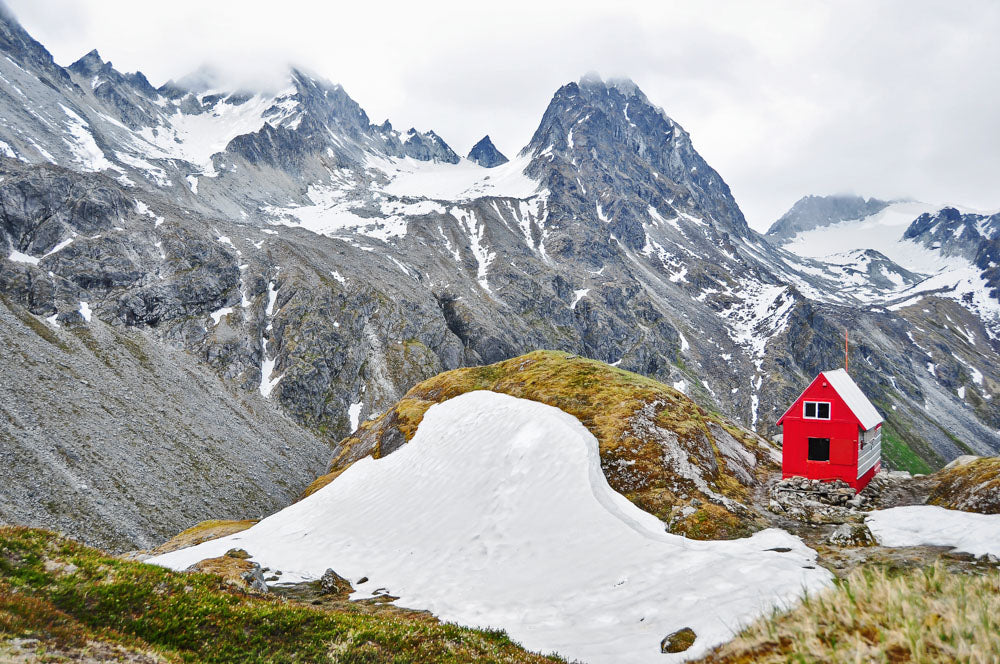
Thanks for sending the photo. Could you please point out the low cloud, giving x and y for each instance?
(886, 98)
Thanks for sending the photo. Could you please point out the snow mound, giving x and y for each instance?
(497, 514)
(915, 525)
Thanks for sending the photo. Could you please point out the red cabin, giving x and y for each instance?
(832, 432)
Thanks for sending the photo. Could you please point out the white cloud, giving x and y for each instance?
(886, 98)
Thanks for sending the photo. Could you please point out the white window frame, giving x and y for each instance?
(829, 410)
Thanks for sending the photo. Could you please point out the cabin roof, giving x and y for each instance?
(853, 397)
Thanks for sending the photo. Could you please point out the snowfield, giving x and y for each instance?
(497, 514)
(463, 181)
(915, 525)
(947, 276)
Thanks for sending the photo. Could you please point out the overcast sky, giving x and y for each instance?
(889, 99)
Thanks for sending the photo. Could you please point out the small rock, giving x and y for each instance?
(237, 553)
(852, 534)
(254, 579)
(332, 583)
(678, 641)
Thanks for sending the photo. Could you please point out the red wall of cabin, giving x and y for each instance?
(842, 429)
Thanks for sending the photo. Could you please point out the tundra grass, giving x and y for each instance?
(927, 615)
(69, 597)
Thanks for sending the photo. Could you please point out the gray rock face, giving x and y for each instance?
(428, 147)
(486, 154)
(812, 212)
(313, 269)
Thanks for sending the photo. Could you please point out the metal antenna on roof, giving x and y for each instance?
(846, 355)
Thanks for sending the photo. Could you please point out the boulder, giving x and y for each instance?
(853, 535)
(235, 571)
(332, 583)
(678, 641)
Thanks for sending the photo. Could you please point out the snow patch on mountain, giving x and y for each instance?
(497, 514)
(334, 212)
(463, 181)
(82, 144)
(195, 137)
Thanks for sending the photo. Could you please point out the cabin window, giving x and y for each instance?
(816, 410)
(819, 449)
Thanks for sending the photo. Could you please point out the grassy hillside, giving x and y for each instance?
(689, 467)
(973, 486)
(874, 615)
(62, 601)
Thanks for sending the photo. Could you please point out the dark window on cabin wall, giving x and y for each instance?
(819, 449)
(816, 410)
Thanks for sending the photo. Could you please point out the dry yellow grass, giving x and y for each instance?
(927, 615)
(646, 431)
(203, 532)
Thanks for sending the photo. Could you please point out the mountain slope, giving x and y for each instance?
(122, 441)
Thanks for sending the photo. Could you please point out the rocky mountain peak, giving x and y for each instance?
(611, 135)
(811, 212)
(593, 83)
(23, 49)
(486, 154)
(428, 147)
(89, 64)
(955, 233)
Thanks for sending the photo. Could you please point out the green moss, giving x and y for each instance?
(131, 343)
(65, 593)
(82, 333)
(898, 453)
